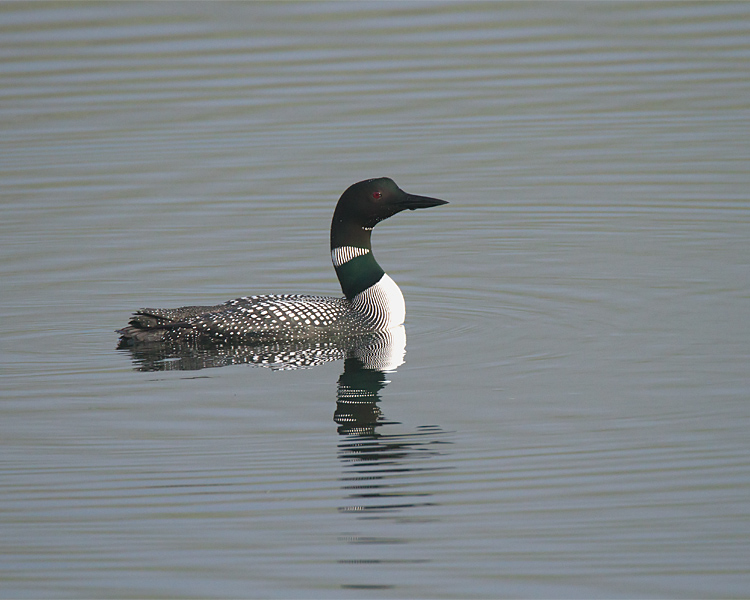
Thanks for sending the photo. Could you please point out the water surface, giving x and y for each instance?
(571, 417)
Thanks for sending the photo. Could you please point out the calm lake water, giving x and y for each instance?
(571, 417)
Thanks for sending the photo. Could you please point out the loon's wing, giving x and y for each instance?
(160, 317)
(285, 316)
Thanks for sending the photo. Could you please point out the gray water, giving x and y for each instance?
(571, 419)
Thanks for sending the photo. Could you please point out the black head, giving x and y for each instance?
(368, 202)
(359, 209)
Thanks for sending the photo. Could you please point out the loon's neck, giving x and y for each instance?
(351, 253)
(362, 279)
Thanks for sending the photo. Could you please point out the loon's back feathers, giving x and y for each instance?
(372, 301)
(252, 318)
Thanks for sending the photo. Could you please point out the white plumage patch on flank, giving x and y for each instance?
(344, 254)
(383, 303)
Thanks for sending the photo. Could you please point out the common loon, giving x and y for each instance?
(372, 301)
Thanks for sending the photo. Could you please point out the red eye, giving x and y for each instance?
(377, 195)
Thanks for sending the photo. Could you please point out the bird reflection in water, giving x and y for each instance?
(383, 351)
(385, 474)
(368, 359)
(372, 457)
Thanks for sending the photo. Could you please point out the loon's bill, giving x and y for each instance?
(372, 301)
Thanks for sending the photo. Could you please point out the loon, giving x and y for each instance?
(372, 301)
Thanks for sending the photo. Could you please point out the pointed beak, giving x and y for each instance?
(413, 202)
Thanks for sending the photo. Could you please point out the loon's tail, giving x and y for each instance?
(131, 335)
(149, 325)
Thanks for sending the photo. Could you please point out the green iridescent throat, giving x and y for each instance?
(358, 274)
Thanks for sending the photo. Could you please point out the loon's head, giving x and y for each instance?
(359, 209)
(368, 202)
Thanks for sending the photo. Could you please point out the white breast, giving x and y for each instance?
(382, 302)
